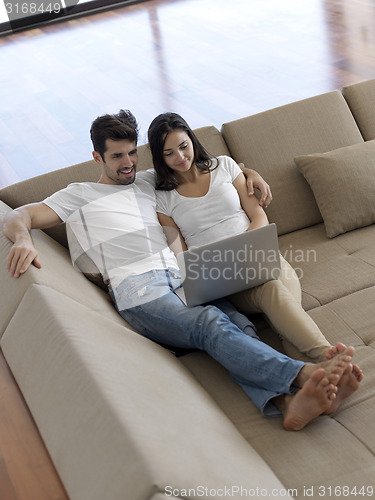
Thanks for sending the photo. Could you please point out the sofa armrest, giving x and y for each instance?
(120, 416)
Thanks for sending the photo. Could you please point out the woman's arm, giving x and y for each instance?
(173, 234)
(250, 204)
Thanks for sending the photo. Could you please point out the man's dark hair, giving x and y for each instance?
(122, 125)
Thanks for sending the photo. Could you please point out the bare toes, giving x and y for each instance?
(334, 351)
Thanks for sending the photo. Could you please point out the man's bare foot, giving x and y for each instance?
(316, 397)
(348, 383)
(334, 351)
(334, 368)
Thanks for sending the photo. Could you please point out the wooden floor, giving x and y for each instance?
(26, 471)
(210, 60)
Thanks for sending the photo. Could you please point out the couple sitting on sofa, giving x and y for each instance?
(115, 221)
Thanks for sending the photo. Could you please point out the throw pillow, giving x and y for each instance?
(343, 183)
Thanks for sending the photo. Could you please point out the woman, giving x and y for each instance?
(200, 200)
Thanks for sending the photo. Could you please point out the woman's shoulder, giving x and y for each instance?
(226, 164)
(165, 196)
(226, 160)
(166, 201)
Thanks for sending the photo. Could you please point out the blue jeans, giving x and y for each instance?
(226, 335)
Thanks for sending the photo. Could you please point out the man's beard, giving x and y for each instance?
(124, 179)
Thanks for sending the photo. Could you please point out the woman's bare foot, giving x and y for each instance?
(316, 397)
(334, 351)
(321, 385)
(334, 368)
(348, 384)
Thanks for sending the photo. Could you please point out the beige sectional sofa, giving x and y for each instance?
(125, 419)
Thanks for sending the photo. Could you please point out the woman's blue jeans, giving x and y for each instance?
(229, 337)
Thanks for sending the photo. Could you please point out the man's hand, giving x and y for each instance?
(254, 180)
(17, 225)
(21, 256)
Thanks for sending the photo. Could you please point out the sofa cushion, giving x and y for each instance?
(209, 136)
(330, 268)
(359, 97)
(212, 140)
(38, 188)
(120, 416)
(268, 142)
(343, 183)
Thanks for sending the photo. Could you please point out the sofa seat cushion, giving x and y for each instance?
(350, 320)
(331, 450)
(330, 268)
(343, 183)
(57, 272)
(119, 414)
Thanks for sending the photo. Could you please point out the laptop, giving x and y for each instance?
(229, 266)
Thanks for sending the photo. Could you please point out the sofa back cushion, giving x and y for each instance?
(360, 97)
(269, 141)
(209, 136)
(38, 188)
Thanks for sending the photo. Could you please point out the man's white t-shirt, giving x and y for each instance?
(209, 218)
(116, 226)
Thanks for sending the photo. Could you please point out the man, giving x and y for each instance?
(113, 222)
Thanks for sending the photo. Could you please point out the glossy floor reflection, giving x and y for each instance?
(210, 60)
